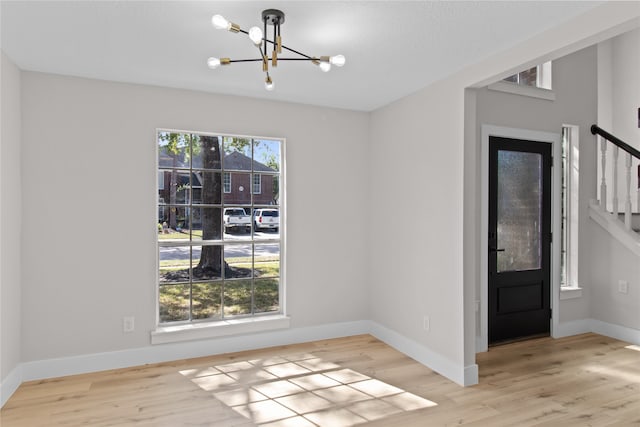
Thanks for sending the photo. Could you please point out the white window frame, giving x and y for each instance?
(541, 90)
(570, 162)
(174, 331)
(543, 76)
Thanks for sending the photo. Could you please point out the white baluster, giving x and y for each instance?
(616, 209)
(638, 201)
(627, 205)
(603, 183)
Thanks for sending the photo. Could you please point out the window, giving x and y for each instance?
(569, 207)
(227, 182)
(539, 76)
(257, 184)
(210, 269)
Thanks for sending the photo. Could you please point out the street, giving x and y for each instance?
(230, 251)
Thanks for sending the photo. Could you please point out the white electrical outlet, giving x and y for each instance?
(128, 324)
(623, 286)
(426, 323)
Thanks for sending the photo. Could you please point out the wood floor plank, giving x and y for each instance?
(585, 380)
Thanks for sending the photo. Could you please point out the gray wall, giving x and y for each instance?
(610, 262)
(10, 210)
(89, 207)
(575, 87)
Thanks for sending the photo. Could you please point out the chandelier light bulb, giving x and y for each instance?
(213, 63)
(220, 22)
(268, 84)
(255, 34)
(325, 66)
(337, 60)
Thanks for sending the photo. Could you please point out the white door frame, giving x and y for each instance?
(482, 343)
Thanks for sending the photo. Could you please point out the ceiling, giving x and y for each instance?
(393, 48)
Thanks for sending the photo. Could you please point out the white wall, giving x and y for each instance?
(417, 268)
(10, 214)
(626, 86)
(419, 271)
(89, 207)
(610, 262)
(575, 89)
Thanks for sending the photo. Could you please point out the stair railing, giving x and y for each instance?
(629, 152)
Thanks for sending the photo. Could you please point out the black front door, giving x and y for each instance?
(519, 238)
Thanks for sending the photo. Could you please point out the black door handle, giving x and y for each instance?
(495, 249)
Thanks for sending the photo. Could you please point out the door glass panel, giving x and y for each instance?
(519, 211)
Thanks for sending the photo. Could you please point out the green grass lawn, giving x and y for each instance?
(231, 297)
(182, 235)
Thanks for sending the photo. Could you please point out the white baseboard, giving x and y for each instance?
(611, 330)
(575, 327)
(51, 368)
(621, 333)
(465, 376)
(10, 384)
(471, 375)
(424, 355)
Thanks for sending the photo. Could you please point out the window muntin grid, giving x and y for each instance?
(205, 274)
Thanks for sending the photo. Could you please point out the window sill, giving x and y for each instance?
(570, 292)
(516, 89)
(198, 331)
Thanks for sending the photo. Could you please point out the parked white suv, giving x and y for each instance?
(266, 219)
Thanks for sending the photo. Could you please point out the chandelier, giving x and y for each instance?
(260, 38)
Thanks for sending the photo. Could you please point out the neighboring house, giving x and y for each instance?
(239, 185)
(240, 181)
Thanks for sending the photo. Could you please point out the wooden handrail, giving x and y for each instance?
(614, 140)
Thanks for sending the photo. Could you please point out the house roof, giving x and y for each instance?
(238, 161)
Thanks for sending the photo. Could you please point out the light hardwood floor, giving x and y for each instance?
(586, 380)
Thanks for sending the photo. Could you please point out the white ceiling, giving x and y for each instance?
(393, 48)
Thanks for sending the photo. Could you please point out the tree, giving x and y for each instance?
(211, 257)
(200, 151)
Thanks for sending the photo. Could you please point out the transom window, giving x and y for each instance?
(539, 76)
(212, 262)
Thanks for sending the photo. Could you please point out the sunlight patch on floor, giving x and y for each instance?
(616, 372)
(303, 390)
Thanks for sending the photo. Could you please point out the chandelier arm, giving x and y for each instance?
(279, 59)
(246, 60)
(283, 46)
(296, 52)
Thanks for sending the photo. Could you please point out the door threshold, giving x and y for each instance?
(519, 339)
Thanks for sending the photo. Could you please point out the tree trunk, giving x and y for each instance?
(211, 257)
